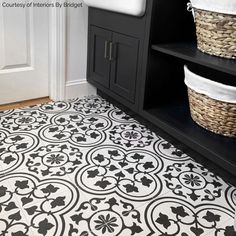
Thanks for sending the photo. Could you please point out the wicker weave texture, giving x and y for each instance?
(215, 116)
(216, 33)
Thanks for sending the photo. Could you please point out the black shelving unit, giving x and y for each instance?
(164, 98)
(188, 51)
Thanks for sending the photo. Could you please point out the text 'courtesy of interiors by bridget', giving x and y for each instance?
(75, 4)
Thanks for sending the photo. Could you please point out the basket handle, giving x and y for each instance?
(189, 6)
(191, 9)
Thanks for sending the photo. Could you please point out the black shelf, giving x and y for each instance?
(175, 118)
(188, 51)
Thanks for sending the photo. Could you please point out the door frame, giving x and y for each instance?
(57, 51)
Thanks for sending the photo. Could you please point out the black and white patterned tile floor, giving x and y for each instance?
(85, 168)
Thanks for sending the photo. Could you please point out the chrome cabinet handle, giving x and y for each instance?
(106, 48)
(111, 52)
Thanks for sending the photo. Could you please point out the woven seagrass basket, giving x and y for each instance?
(216, 33)
(214, 115)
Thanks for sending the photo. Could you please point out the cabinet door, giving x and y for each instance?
(99, 65)
(124, 54)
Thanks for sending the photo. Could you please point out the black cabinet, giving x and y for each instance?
(114, 61)
(117, 53)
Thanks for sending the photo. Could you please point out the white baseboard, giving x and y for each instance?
(79, 88)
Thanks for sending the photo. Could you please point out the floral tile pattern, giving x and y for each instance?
(132, 174)
(171, 216)
(192, 181)
(32, 207)
(109, 216)
(131, 135)
(85, 168)
(54, 160)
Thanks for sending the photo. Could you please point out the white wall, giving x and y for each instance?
(77, 31)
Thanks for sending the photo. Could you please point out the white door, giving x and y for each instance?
(24, 34)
